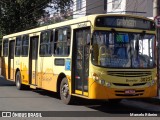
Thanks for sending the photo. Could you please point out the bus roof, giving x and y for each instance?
(90, 18)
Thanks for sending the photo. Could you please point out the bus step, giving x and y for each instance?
(33, 86)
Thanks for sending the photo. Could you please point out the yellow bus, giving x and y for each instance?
(106, 57)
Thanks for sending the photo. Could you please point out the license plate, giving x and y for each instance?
(129, 91)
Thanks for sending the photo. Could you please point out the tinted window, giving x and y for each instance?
(25, 43)
(5, 48)
(45, 44)
(18, 46)
(62, 41)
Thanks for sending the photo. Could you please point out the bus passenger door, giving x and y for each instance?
(33, 55)
(11, 60)
(80, 58)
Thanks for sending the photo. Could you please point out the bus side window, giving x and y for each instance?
(18, 46)
(5, 47)
(68, 40)
(25, 43)
(62, 42)
(55, 42)
(45, 43)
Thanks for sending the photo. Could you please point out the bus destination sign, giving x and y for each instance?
(124, 22)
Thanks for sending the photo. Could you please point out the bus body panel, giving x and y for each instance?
(24, 70)
(5, 70)
(44, 72)
(11, 60)
(141, 85)
(109, 93)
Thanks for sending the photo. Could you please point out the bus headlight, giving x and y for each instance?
(95, 76)
(152, 82)
(102, 82)
(148, 84)
(108, 84)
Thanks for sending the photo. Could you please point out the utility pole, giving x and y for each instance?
(155, 8)
(158, 39)
(156, 12)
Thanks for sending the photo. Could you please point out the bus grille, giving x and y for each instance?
(122, 93)
(125, 84)
(129, 73)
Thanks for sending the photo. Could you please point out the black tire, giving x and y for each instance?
(64, 92)
(19, 84)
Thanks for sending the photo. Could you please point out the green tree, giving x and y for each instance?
(18, 15)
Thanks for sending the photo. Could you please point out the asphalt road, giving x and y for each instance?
(31, 100)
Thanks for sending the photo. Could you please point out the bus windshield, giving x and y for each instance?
(122, 49)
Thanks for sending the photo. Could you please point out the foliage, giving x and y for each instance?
(18, 15)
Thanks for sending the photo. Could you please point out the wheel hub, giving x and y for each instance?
(17, 82)
(65, 90)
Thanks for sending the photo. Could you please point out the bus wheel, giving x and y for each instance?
(18, 81)
(64, 92)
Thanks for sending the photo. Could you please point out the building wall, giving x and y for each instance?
(144, 7)
(81, 12)
(95, 7)
(149, 8)
(120, 10)
(90, 7)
